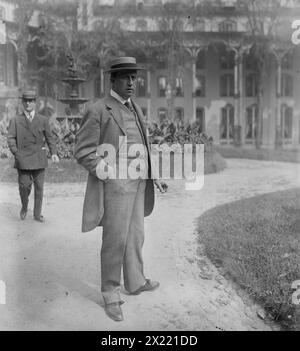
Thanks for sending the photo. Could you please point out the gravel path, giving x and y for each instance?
(52, 271)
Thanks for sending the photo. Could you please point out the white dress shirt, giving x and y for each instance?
(29, 115)
(118, 97)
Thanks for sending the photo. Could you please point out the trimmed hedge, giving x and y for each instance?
(259, 154)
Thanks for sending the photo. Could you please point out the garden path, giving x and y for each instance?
(52, 271)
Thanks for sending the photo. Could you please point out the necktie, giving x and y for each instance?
(128, 104)
(30, 117)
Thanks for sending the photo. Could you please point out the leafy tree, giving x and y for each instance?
(60, 38)
(24, 14)
(268, 30)
(171, 28)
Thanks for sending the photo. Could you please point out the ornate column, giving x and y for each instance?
(279, 51)
(102, 92)
(239, 49)
(194, 51)
(237, 117)
(241, 105)
(278, 137)
(147, 46)
(103, 53)
(148, 94)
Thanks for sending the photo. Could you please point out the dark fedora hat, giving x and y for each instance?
(124, 63)
(29, 95)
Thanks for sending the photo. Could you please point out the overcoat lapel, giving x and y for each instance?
(31, 126)
(113, 107)
(34, 125)
(142, 124)
(24, 121)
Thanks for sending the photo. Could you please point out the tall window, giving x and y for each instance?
(99, 25)
(251, 62)
(200, 86)
(287, 61)
(45, 88)
(141, 25)
(251, 122)
(2, 64)
(12, 66)
(251, 85)
(227, 59)
(227, 85)
(141, 87)
(227, 123)
(200, 62)
(162, 114)
(178, 25)
(161, 61)
(179, 114)
(287, 85)
(97, 87)
(162, 86)
(179, 86)
(2, 13)
(200, 119)
(84, 14)
(140, 4)
(199, 25)
(227, 26)
(286, 122)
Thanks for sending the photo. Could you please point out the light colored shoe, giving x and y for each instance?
(148, 286)
(114, 311)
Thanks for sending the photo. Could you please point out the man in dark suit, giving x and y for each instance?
(26, 138)
(117, 203)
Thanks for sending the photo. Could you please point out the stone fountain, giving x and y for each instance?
(73, 100)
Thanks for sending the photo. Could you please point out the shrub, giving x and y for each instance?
(4, 150)
(170, 133)
(64, 135)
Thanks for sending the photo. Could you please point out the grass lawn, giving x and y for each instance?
(256, 242)
(259, 154)
(70, 171)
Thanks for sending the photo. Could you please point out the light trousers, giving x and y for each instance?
(123, 237)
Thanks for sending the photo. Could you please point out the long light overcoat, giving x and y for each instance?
(103, 124)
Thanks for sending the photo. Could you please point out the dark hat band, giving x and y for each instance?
(127, 65)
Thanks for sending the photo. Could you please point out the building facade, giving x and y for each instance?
(217, 83)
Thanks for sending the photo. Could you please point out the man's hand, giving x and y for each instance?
(161, 186)
(55, 158)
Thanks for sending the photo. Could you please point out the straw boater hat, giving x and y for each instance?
(28, 95)
(123, 64)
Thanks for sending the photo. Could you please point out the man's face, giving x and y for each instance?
(29, 104)
(124, 84)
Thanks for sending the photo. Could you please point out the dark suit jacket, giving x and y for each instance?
(26, 141)
(103, 123)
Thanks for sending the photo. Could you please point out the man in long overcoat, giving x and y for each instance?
(118, 204)
(27, 134)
